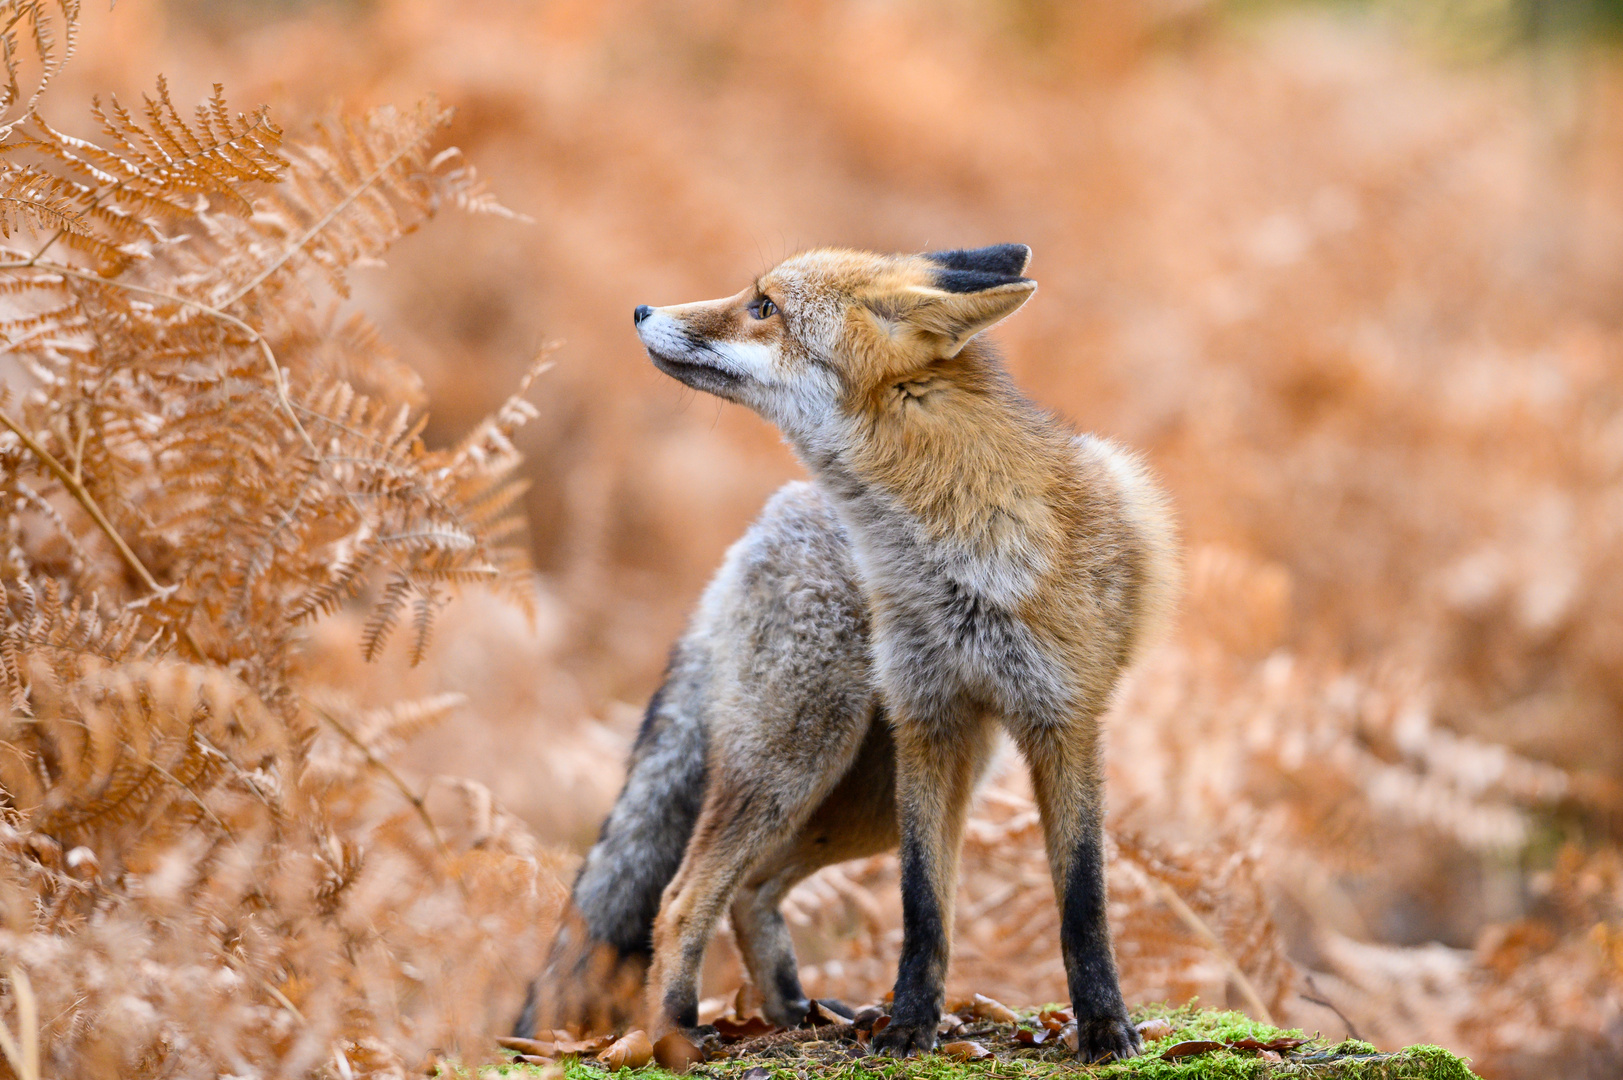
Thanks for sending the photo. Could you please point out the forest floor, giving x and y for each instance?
(1187, 1043)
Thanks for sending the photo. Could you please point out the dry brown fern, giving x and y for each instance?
(207, 862)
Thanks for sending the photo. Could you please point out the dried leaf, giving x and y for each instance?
(987, 1009)
(676, 1052)
(630, 1051)
(1190, 1048)
(966, 1051)
(1152, 1030)
(820, 1015)
(866, 1017)
(737, 1028)
(1069, 1038)
(1033, 1037)
(1054, 1019)
(756, 1072)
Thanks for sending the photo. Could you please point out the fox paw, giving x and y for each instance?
(902, 1040)
(786, 1014)
(1107, 1037)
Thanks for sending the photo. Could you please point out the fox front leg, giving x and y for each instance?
(1065, 775)
(935, 776)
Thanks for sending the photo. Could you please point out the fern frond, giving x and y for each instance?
(350, 193)
(164, 157)
(428, 602)
(30, 197)
(385, 615)
(109, 203)
(181, 487)
(43, 28)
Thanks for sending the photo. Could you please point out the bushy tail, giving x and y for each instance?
(595, 970)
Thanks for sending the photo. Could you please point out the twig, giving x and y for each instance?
(1328, 1004)
(393, 777)
(281, 998)
(22, 1049)
(1203, 931)
(77, 490)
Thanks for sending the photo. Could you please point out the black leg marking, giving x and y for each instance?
(1084, 938)
(922, 970)
(683, 1009)
(795, 1006)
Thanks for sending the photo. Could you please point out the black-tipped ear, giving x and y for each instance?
(971, 281)
(1009, 260)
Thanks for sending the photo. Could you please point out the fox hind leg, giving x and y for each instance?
(749, 812)
(769, 954)
(856, 819)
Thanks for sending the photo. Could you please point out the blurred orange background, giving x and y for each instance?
(1348, 275)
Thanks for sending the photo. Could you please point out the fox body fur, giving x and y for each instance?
(961, 562)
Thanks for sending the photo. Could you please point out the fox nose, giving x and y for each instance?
(642, 312)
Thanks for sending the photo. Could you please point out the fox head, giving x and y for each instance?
(830, 334)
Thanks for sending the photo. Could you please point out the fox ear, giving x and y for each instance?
(1010, 260)
(961, 303)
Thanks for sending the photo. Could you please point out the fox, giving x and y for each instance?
(960, 562)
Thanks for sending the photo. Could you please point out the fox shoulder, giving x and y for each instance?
(1148, 515)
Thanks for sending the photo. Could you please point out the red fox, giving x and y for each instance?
(961, 562)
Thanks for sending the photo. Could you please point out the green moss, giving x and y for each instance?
(1348, 1060)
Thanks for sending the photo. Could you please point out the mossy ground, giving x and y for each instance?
(832, 1054)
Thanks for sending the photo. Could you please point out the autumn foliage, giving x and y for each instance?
(1350, 286)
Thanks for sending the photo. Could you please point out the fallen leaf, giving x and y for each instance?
(1158, 1028)
(966, 1051)
(948, 1024)
(1270, 1055)
(987, 1009)
(533, 1047)
(631, 1051)
(755, 1072)
(677, 1053)
(820, 1014)
(1068, 1037)
(881, 1024)
(1190, 1049)
(866, 1017)
(1053, 1017)
(733, 1028)
(1030, 1037)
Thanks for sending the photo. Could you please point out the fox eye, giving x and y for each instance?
(765, 308)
